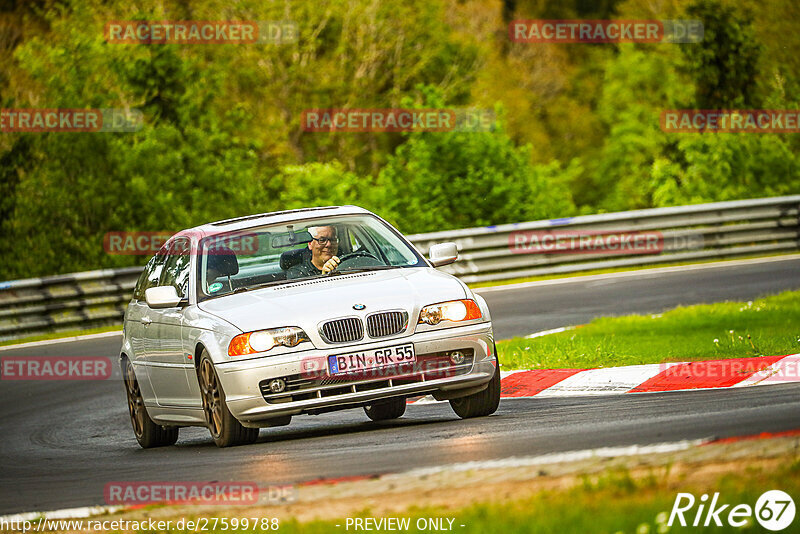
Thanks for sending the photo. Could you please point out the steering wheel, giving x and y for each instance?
(357, 254)
(359, 259)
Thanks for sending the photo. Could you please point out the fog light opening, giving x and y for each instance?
(277, 385)
(457, 357)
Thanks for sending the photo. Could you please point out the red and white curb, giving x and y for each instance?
(651, 378)
(706, 374)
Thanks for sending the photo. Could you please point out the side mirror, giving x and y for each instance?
(443, 254)
(162, 297)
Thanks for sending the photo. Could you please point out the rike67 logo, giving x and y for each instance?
(774, 510)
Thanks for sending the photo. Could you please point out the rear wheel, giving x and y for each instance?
(225, 429)
(481, 403)
(148, 433)
(386, 409)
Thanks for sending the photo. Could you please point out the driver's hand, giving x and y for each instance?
(330, 265)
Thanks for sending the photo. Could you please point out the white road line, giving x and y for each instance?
(571, 456)
(551, 331)
(640, 272)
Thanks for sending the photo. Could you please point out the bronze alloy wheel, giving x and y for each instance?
(135, 401)
(212, 403)
(148, 433)
(224, 428)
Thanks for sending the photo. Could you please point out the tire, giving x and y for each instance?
(148, 433)
(225, 429)
(481, 403)
(386, 409)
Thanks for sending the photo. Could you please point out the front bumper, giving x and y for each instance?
(243, 381)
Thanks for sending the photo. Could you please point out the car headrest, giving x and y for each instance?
(223, 260)
(290, 258)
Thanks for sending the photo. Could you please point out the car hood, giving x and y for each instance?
(308, 303)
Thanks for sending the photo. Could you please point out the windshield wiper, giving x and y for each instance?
(273, 283)
(242, 289)
(364, 269)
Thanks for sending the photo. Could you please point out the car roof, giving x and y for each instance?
(251, 221)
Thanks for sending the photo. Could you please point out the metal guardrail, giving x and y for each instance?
(690, 233)
(699, 232)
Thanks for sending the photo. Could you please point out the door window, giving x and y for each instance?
(151, 275)
(176, 268)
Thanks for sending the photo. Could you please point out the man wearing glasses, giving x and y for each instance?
(324, 246)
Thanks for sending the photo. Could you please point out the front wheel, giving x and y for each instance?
(481, 403)
(148, 433)
(388, 409)
(225, 429)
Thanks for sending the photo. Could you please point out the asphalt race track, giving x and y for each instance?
(63, 441)
(519, 312)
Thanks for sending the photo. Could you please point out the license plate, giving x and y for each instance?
(371, 359)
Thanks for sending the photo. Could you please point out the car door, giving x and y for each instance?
(138, 325)
(169, 363)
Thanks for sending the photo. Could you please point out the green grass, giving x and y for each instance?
(613, 502)
(59, 335)
(616, 270)
(769, 326)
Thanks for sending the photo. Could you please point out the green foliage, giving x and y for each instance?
(725, 167)
(639, 84)
(724, 64)
(183, 168)
(324, 184)
(441, 181)
(444, 180)
(642, 166)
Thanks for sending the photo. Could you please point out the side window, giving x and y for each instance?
(150, 276)
(388, 252)
(176, 268)
(355, 243)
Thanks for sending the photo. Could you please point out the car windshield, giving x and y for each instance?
(232, 262)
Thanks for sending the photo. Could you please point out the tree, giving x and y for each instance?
(184, 167)
(724, 65)
(445, 180)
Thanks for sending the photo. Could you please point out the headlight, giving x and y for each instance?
(454, 310)
(264, 340)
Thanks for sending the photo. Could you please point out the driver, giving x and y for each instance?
(324, 246)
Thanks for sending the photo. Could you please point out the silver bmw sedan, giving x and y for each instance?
(243, 323)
